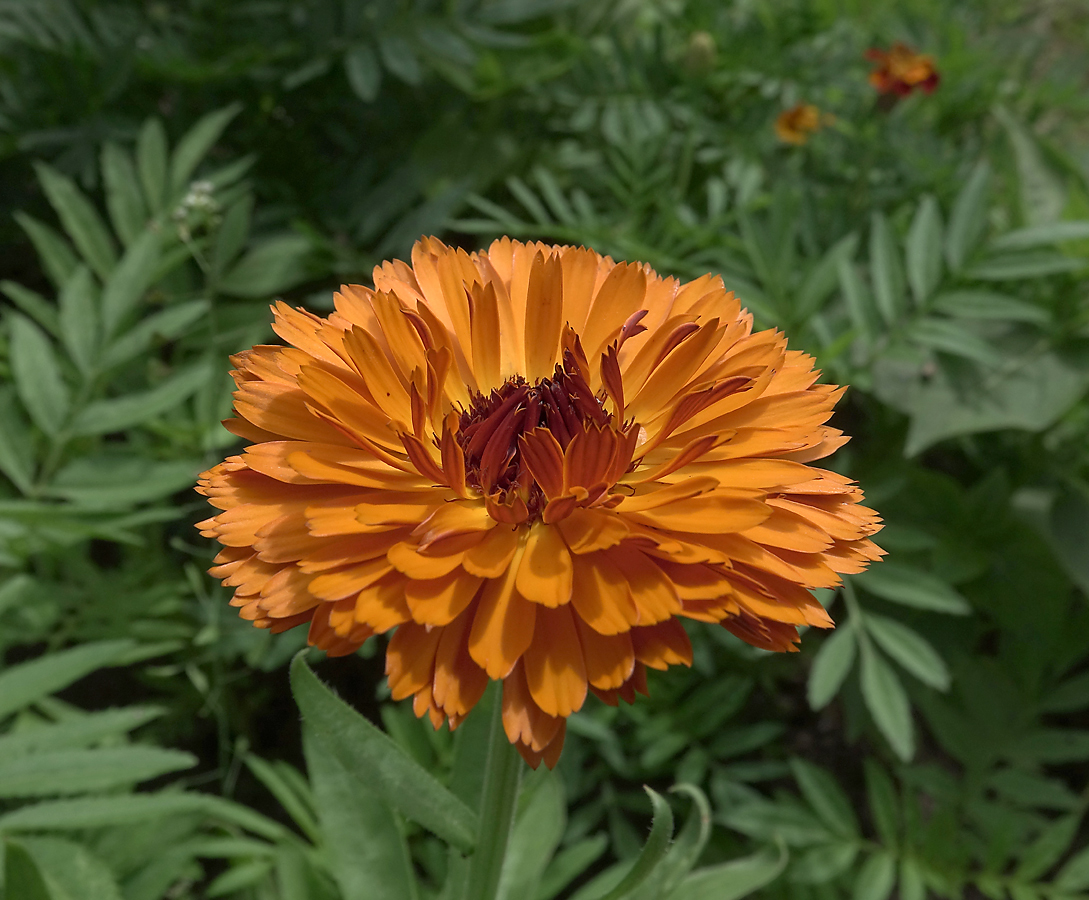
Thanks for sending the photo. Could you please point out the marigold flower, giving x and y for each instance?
(794, 125)
(900, 70)
(531, 462)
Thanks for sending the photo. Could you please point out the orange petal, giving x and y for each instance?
(554, 664)
(588, 530)
(459, 682)
(601, 595)
(546, 572)
(439, 601)
(523, 721)
(663, 645)
(503, 625)
(410, 658)
(610, 659)
(491, 557)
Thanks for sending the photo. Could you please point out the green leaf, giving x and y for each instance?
(196, 143)
(22, 877)
(151, 162)
(735, 879)
(1046, 235)
(1049, 847)
(884, 807)
(823, 278)
(16, 444)
(1042, 193)
(685, 851)
(77, 732)
(888, 703)
(569, 863)
(1050, 745)
(56, 255)
(368, 854)
(124, 200)
(1073, 877)
(119, 481)
(875, 878)
(886, 270)
(50, 773)
(400, 59)
(860, 306)
(80, 220)
(968, 221)
(120, 413)
(909, 649)
(1021, 266)
(1068, 524)
(911, 587)
(125, 285)
(390, 773)
(299, 807)
(924, 250)
(1032, 790)
(653, 852)
(819, 865)
(272, 266)
(535, 837)
(28, 682)
(834, 659)
(239, 877)
(990, 306)
(950, 337)
(37, 374)
(34, 305)
(79, 323)
(825, 797)
(364, 73)
(911, 886)
(164, 325)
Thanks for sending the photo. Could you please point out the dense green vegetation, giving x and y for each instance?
(172, 167)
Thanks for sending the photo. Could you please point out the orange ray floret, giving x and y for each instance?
(530, 464)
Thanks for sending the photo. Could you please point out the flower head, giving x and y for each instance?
(794, 125)
(530, 464)
(900, 70)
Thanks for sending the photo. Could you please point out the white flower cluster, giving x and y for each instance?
(198, 208)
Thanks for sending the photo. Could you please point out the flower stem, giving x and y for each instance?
(499, 801)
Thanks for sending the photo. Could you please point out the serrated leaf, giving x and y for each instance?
(1050, 745)
(860, 306)
(151, 162)
(368, 854)
(124, 201)
(80, 220)
(735, 879)
(1022, 266)
(823, 278)
(393, 776)
(56, 255)
(825, 797)
(274, 265)
(535, 837)
(989, 305)
(37, 374)
(1042, 194)
(911, 587)
(654, 849)
(110, 481)
(126, 284)
(81, 770)
(953, 338)
(875, 878)
(968, 221)
(27, 682)
(77, 732)
(887, 702)
(79, 320)
(886, 270)
(834, 659)
(120, 413)
(196, 142)
(685, 851)
(364, 73)
(924, 250)
(820, 864)
(884, 806)
(910, 649)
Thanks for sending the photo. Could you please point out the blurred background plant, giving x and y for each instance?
(172, 167)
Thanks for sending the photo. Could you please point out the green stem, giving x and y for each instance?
(498, 804)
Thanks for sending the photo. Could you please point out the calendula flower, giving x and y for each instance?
(795, 125)
(900, 70)
(530, 464)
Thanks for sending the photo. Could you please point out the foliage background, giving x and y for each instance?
(171, 167)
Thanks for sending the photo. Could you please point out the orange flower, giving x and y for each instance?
(531, 462)
(900, 70)
(794, 125)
